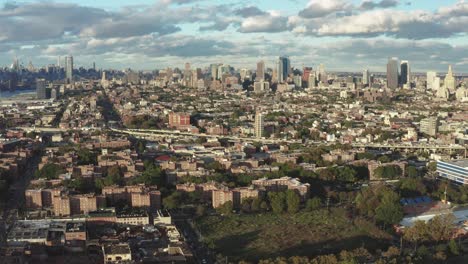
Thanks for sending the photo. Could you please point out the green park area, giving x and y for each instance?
(261, 236)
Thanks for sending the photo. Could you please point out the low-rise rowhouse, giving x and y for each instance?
(454, 170)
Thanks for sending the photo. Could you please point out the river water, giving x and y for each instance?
(11, 94)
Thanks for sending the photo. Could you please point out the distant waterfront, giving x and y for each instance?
(28, 93)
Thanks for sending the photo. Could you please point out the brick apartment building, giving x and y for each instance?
(282, 184)
(63, 204)
(136, 196)
(205, 188)
(179, 120)
(236, 195)
(41, 198)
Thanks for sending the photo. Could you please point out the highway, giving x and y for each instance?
(160, 133)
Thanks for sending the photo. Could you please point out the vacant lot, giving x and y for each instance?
(253, 237)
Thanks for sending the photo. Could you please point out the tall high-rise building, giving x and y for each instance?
(305, 73)
(449, 81)
(430, 77)
(261, 86)
(322, 74)
(244, 73)
(260, 71)
(436, 84)
(405, 73)
(214, 71)
(365, 77)
(297, 79)
(41, 92)
(69, 68)
(284, 68)
(392, 73)
(429, 126)
(223, 69)
(259, 126)
(312, 80)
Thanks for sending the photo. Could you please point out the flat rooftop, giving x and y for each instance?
(460, 163)
(118, 249)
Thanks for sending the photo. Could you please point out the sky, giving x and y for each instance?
(344, 35)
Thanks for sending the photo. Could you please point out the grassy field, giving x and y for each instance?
(261, 236)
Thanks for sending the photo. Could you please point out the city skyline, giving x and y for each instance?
(343, 35)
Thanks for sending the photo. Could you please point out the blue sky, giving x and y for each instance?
(141, 34)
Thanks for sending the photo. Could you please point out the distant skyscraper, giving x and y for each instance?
(405, 73)
(449, 81)
(69, 68)
(312, 80)
(41, 92)
(260, 71)
(244, 73)
(259, 126)
(365, 77)
(261, 87)
(284, 68)
(322, 74)
(223, 69)
(214, 71)
(436, 84)
(297, 80)
(305, 73)
(430, 77)
(392, 73)
(187, 75)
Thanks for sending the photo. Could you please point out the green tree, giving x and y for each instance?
(114, 176)
(152, 175)
(256, 203)
(86, 156)
(367, 201)
(80, 184)
(49, 171)
(293, 201)
(384, 159)
(412, 172)
(411, 187)
(277, 202)
(174, 200)
(246, 205)
(389, 213)
(453, 247)
(345, 173)
(441, 227)
(140, 146)
(226, 208)
(200, 210)
(432, 166)
(313, 204)
(264, 206)
(417, 233)
(388, 172)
